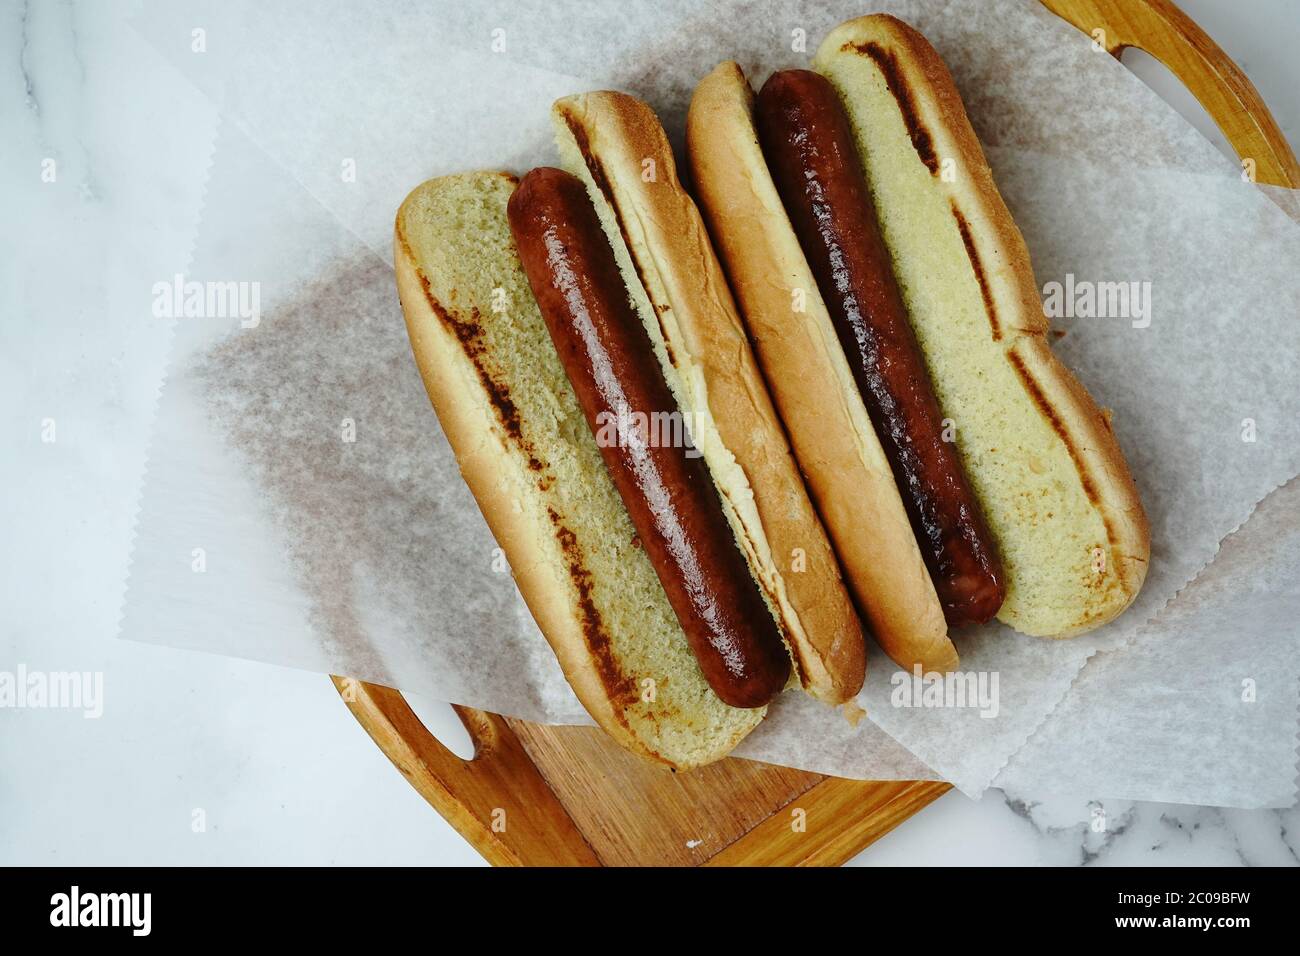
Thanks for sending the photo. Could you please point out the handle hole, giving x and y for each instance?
(441, 721)
(1172, 90)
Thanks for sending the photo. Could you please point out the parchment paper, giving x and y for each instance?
(1229, 642)
(368, 557)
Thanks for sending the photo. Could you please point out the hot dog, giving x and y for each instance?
(668, 493)
(879, 269)
(676, 287)
(809, 147)
(558, 323)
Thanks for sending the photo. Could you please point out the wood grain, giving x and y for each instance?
(635, 813)
(831, 823)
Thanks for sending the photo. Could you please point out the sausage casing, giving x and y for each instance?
(809, 147)
(669, 495)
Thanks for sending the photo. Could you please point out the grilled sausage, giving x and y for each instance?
(669, 494)
(806, 139)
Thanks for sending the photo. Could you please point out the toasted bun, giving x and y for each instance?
(616, 145)
(809, 376)
(1055, 489)
(530, 459)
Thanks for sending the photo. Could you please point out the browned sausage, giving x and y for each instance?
(808, 144)
(672, 501)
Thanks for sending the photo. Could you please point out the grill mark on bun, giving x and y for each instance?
(887, 63)
(601, 179)
(1036, 393)
(620, 686)
(972, 253)
(593, 165)
(469, 333)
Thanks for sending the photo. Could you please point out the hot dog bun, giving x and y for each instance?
(1054, 486)
(847, 472)
(533, 465)
(615, 144)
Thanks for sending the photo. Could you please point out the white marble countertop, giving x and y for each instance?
(279, 768)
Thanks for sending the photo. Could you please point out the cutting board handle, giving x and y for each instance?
(1159, 28)
(498, 800)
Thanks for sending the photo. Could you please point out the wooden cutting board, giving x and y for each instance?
(566, 796)
(560, 796)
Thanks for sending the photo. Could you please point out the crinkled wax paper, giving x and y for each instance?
(302, 459)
